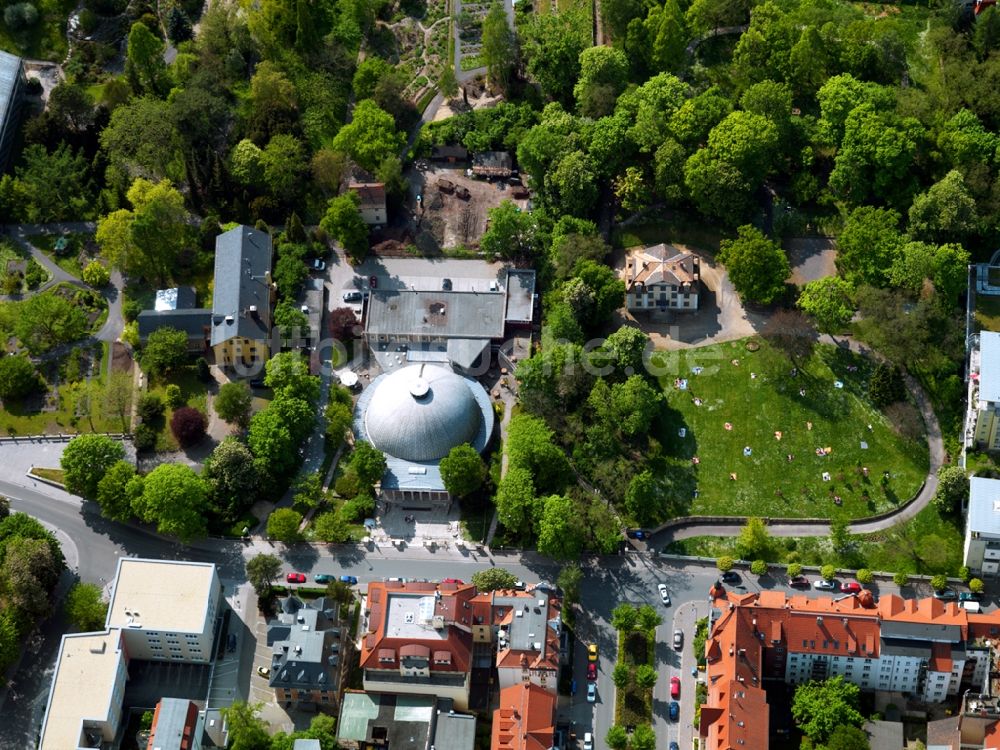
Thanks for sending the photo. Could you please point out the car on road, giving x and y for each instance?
(946, 595)
(319, 265)
(635, 534)
(349, 580)
(674, 746)
(730, 576)
(851, 587)
(968, 596)
(353, 296)
(296, 578)
(592, 652)
(264, 672)
(798, 581)
(675, 710)
(591, 671)
(452, 580)
(592, 692)
(675, 687)
(324, 578)
(664, 594)
(373, 282)
(824, 585)
(446, 285)
(678, 640)
(588, 741)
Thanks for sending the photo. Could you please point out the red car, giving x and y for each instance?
(591, 671)
(851, 587)
(296, 578)
(452, 580)
(675, 687)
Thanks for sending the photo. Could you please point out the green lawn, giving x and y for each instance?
(27, 417)
(987, 313)
(759, 397)
(70, 263)
(195, 394)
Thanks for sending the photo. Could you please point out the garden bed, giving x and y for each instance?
(634, 703)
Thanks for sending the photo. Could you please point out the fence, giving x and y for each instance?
(61, 437)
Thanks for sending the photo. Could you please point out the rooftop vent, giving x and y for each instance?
(229, 319)
(253, 309)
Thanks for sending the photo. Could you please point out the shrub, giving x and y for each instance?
(361, 507)
(965, 573)
(864, 576)
(20, 16)
(794, 569)
(828, 572)
(150, 407)
(976, 585)
(144, 438)
(204, 371)
(939, 582)
(18, 377)
(96, 274)
(175, 399)
(901, 579)
(347, 484)
(724, 564)
(131, 310)
(758, 567)
(34, 274)
(188, 426)
(88, 20)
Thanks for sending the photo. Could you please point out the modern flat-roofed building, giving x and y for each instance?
(987, 391)
(166, 610)
(403, 722)
(12, 85)
(982, 527)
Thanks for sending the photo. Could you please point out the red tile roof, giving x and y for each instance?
(371, 194)
(525, 719)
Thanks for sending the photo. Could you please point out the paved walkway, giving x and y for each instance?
(792, 528)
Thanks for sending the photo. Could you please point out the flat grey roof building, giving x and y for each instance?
(984, 506)
(520, 296)
(403, 722)
(398, 313)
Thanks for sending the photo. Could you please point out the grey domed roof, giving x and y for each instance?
(421, 412)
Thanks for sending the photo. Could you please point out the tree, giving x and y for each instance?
(343, 221)
(572, 184)
(55, 185)
(287, 374)
(96, 274)
(262, 570)
(939, 582)
(273, 103)
(370, 137)
(144, 63)
(724, 564)
(901, 578)
(617, 737)
(176, 500)
(557, 536)
(246, 163)
(368, 462)
(945, 213)
(820, 707)
(757, 266)
(643, 737)
(30, 570)
(283, 525)
(86, 460)
(552, 45)
(515, 501)
(828, 301)
(620, 676)
(794, 569)
(188, 426)
(952, 490)
(47, 320)
(868, 245)
(331, 528)
(645, 676)
(885, 385)
(603, 75)
(840, 538)
(498, 50)
(232, 477)
(753, 541)
(113, 491)
(247, 730)
(284, 164)
(511, 234)
(233, 403)
(462, 470)
(569, 581)
(165, 350)
(645, 498)
(624, 618)
(828, 572)
(976, 585)
(271, 443)
(631, 190)
(493, 579)
(85, 607)
(847, 738)
(140, 139)
(18, 377)
(864, 575)
(791, 332)
(648, 618)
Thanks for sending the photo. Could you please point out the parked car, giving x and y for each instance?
(824, 585)
(731, 576)
(678, 640)
(296, 578)
(452, 580)
(968, 596)
(446, 284)
(946, 595)
(354, 296)
(264, 672)
(592, 692)
(373, 282)
(675, 687)
(588, 741)
(349, 580)
(851, 587)
(591, 671)
(592, 652)
(675, 710)
(319, 265)
(635, 534)
(798, 581)
(664, 594)
(674, 746)
(323, 578)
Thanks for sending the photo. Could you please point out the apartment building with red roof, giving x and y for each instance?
(417, 639)
(525, 719)
(923, 647)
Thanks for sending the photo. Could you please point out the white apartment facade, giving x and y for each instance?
(987, 393)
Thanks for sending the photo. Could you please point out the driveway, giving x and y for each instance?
(811, 258)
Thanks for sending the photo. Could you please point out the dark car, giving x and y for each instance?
(296, 578)
(946, 595)
(674, 746)
(968, 596)
(635, 534)
(730, 576)
(373, 282)
(323, 578)
(257, 382)
(446, 284)
(674, 710)
(350, 580)
(798, 581)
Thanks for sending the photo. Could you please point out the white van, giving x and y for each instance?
(588, 741)
(970, 606)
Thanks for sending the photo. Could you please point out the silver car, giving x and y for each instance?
(678, 640)
(824, 585)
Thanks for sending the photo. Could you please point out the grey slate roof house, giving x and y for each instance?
(306, 651)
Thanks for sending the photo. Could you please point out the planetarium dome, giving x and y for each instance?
(420, 412)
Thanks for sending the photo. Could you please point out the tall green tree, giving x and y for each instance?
(462, 470)
(552, 46)
(47, 320)
(499, 49)
(176, 500)
(85, 608)
(868, 245)
(165, 350)
(263, 570)
(343, 221)
(233, 478)
(113, 491)
(757, 266)
(558, 536)
(946, 212)
(144, 63)
(820, 707)
(247, 730)
(603, 75)
(18, 377)
(493, 579)
(233, 403)
(370, 137)
(86, 460)
(515, 501)
(754, 541)
(829, 301)
(283, 525)
(511, 233)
